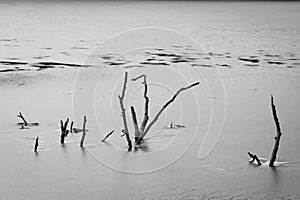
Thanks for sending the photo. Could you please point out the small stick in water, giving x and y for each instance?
(64, 131)
(109, 134)
(254, 157)
(83, 132)
(36, 144)
(22, 117)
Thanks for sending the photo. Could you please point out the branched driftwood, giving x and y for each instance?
(135, 124)
(277, 137)
(163, 108)
(83, 132)
(146, 115)
(23, 118)
(109, 134)
(36, 144)
(123, 113)
(64, 131)
(254, 157)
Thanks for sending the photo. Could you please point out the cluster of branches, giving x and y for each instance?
(141, 131)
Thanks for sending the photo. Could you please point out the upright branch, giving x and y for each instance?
(135, 124)
(123, 113)
(36, 144)
(64, 131)
(109, 134)
(71, 127)
(164, 107)
(83, 131)
(277, 137)
(146, 115)
(23, 118)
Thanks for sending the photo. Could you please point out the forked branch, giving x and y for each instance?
(23, 118)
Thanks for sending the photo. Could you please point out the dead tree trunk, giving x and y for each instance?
(135, 124)
(36, 144)
(123, 113)
(163, 108)
(23, 118)
(277, 137)
(83, 131)
(64, 131)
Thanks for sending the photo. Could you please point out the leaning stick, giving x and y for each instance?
(23, 118)
(277, 137)
(123, 113)
(135, 124)
(146, 116)
(164, 107)
(36, 144)
(83, 131)
(109, 134)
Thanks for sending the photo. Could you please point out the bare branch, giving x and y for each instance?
(84, 131)
(165, 106)
(123, 113)
(71, 127)
(277, 138)
(146, 115)
(135, 124)
(23, 118)
(109, 134)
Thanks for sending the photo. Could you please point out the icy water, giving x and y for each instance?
(67, 59)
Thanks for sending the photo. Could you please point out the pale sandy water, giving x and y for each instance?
(67, 33)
